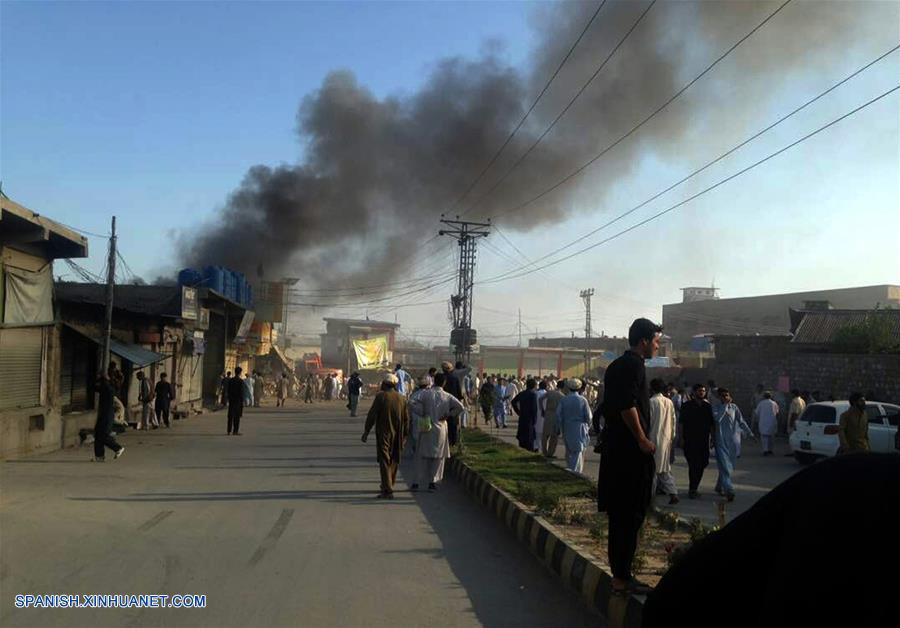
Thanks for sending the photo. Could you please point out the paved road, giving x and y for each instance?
(278, 527)
(754, 477)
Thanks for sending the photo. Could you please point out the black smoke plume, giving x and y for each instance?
(377, 173)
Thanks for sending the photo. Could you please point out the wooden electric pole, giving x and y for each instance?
(110, 285)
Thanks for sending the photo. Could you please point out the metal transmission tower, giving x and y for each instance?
(463, 337)
(586, 297)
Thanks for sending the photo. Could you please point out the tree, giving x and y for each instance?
(874, 334)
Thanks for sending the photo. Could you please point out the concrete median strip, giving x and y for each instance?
(576, 568)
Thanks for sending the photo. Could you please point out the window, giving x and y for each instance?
(819, 414)
(873, 414)
(892, 414)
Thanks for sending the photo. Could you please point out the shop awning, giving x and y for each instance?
(136, 354)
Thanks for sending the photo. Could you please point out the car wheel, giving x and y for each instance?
(804, 459)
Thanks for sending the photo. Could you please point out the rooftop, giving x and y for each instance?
(808, 295)
(20, 225)
(148, 300)
(821, 326)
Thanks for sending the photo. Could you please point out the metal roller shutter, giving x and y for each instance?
(65, 371)
(21, 351)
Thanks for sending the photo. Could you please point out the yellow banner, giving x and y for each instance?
(371, 353)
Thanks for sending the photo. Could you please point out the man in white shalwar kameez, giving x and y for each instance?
(662, 432)
(434, 406)
(767, 413)
(423, 388)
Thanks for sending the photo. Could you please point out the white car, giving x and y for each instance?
(816, 431)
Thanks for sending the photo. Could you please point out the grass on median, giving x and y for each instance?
(525, 475)
(568, 501)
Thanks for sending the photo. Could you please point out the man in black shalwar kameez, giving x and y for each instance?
(697, 425)
(627, 466)
(526, 406)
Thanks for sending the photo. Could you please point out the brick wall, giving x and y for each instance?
(764, 361)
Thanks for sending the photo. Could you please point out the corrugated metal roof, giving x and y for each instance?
(820, 327)
(136, 354)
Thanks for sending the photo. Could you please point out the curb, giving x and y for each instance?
(574, 567)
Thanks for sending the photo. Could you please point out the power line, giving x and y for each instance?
(82, 272)
(708, 164)
(524, 155)
(335, 305)
(126, 267)
(417, 283)
(83, 231)
(527, 113)
(705, 190)
(402, 284)
(584, 166)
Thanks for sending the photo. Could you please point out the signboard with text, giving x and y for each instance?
(190, 306)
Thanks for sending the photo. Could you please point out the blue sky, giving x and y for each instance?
(154, 111)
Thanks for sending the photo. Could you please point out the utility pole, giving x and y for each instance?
(110, 284)
(287, 286)
(463, 337)
(520, 327)
(586, 297)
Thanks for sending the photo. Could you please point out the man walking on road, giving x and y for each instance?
(103, 426)
(283, 389)
(403, 380)
(389, 415)
(486, 399)
(798, 405)
(729, 423)
(164, 396)
(248, 389)
(767, 415)
(853, 429)
(354, 386)
(551, 432)
(697, 425)
(235, 392)
(145, 396)
(453, 384)
(525, 405)
(626, 459)
(259, 385)
(574, 416)
(432, 408)
(501, 397)
(662, 431)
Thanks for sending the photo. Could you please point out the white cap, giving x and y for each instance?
(390, 378)
(573, 383)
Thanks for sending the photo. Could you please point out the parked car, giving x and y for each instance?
(816, 433)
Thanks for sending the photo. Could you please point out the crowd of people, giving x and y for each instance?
(156, 402)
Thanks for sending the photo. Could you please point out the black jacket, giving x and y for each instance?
(235, 391)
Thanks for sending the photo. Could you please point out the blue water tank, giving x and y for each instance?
(189, 277)
(228, 279)
(239, 282)
(214, 279)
